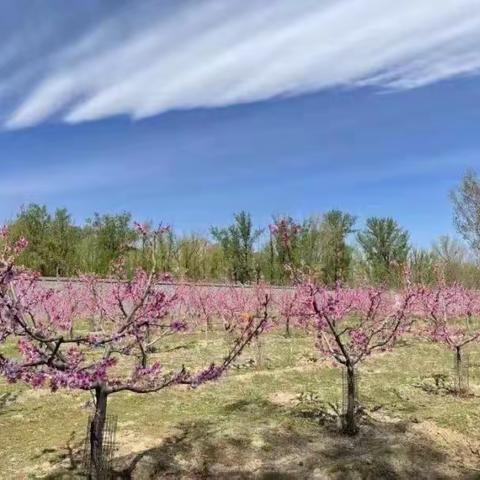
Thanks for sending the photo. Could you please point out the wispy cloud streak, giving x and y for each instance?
(155, 56)
(61, 179)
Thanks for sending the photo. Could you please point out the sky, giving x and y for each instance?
(187, 111)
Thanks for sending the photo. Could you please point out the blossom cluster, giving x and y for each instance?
(453, 314)
(90, 332)
(285, 230)
(93, 334)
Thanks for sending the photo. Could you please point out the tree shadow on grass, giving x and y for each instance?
(7, 400)
(199, 451)
(67, 461)
(284, 449)
(275, 442)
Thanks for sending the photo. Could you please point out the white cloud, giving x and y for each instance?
(152, 58)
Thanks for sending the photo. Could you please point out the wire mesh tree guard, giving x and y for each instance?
(461, 371)
(107, 451)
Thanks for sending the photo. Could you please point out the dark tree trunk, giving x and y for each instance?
(350, 422)
(287, 327)
(148, 335)
(97, 465)
(460, 371)
(272, 260)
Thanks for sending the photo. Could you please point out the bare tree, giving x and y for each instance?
(466, 204)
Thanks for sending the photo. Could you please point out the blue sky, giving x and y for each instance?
(189, 111)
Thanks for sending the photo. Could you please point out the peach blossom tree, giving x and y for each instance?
(47, 327)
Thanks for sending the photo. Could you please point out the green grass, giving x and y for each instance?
(250, 424)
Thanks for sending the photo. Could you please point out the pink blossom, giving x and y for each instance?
(141, 228)
(74, 337)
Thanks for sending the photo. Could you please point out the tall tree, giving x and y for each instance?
(449, 250)
(422, 263)
(54, 240)
(336, 255)
(62, 244)
(33, 222)
(109, 236)
(310, 244)
(466, 204)
(198, 259)
(237, 242)
(285, 256)
(455, 262)
(385, 247)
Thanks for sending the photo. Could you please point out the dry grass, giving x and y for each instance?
(273, 421)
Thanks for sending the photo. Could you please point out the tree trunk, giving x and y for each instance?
(287, 327)
(97, 462)
(208, 326)
(350, 423)
(272, 260)
(460, 367)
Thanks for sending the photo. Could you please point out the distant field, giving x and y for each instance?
(274, 421)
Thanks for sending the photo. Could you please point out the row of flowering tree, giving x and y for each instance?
(111, 352)
(349, 324)
(352, 324)
(91, 337)
(452, 315)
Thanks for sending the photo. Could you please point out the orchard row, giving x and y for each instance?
(102, 338)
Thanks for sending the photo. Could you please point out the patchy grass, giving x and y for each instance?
(270, 421)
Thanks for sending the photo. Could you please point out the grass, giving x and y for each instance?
(273, 421)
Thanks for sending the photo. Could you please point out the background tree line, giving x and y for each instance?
(331, 247)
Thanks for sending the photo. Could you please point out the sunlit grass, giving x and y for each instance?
(248, 405)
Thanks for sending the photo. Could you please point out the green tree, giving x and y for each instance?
(285, 250)
(310, 245)
(422, 263)
(107, 237)
(455, 263)
(385, 248)
(33, 222)
(198, 259)
(237, 242)
(62, 243)
(336, 255)
(53, 241)
(136, 254)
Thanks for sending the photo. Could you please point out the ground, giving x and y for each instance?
(271, 421)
